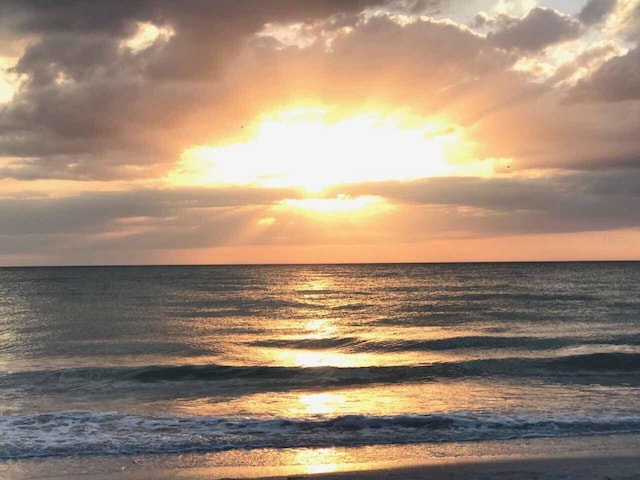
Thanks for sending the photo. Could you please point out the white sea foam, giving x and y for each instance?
(99, 433)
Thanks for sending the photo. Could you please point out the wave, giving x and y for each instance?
(307, 343)
(490, 342)
(485, 342)
(612, 367)
(441, 344)
(78, 433)
(523, 296)
(611, 361)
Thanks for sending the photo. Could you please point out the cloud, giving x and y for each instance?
(96, 105)
(123, 223)
(583, 64)
(90, 211)
(632, 28)
(544, 132)
(540, 28)
(595, 11)
(94, 109)
(117, 114)
(560, 203)
(616, 80)
(91, 106)
(414, 65)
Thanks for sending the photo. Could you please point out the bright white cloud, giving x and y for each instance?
(146, 35)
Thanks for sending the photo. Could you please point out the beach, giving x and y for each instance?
(267, 371)
(319, 239)
(611, 457)
(610, 468)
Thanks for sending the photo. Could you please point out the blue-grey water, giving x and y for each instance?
(131, 360)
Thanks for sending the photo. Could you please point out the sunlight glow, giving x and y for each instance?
(304, 148)
(320, 328)
(267, 221)
(9, 82)
(621, 17)
(315, 358)
(341, 203)
(321, 403)
(562, 57)
(321, 359)
(318, 460)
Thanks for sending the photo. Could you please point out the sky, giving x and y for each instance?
(318, 131)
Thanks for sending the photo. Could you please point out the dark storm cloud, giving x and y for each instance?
(541, 28)
(595, 11)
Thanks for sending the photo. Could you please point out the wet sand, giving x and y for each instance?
(600, 468)
(612, 468)
(603, 458)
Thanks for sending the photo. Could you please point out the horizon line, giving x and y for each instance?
(276, 264)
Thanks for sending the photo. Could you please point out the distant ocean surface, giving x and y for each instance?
(134, 360)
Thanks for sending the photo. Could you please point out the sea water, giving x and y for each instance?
(140, 360)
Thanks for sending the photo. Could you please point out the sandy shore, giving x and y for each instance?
(613, 468)
(602, 458)
(604, 468)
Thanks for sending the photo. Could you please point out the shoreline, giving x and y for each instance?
(587, 468)
(615, 457)
(601, 468)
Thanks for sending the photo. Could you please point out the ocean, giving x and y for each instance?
(98, 361)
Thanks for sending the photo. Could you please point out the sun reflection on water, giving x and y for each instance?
(319, 460)
(321, 403)
(320, 328)
(315, 358)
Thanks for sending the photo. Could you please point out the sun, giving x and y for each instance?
(305, 148)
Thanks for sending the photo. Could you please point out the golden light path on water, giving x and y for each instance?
(323, 326)
(377, 400)
(335, 401)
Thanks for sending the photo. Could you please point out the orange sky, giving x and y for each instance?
(286, 131)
